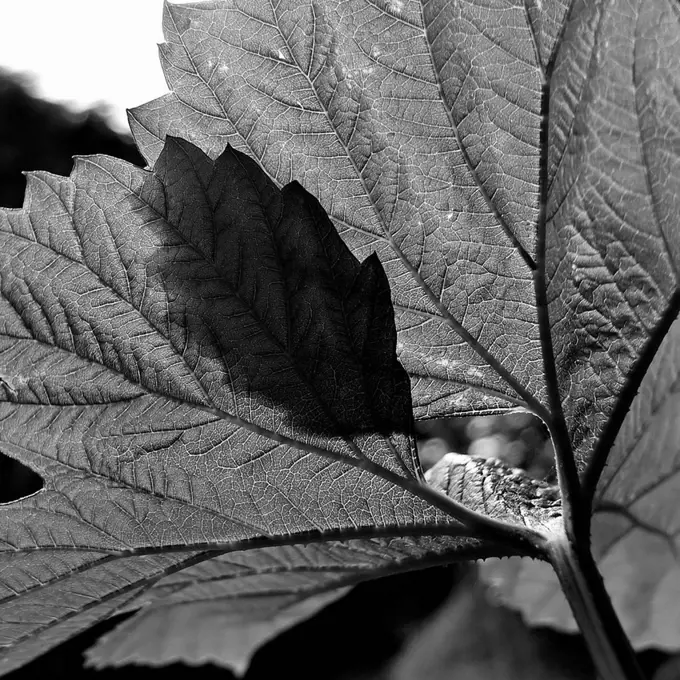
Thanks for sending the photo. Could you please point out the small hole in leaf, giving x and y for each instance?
(520, 440)
(16, 480)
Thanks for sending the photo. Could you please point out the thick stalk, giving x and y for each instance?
(584, 589)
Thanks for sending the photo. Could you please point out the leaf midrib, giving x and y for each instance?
(211, 550)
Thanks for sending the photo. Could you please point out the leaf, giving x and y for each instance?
(47, 597)
(635, 537)
(611, 237)
(224, 632)
(515, 243)
(492, 488)
(192, 360)
(347, 99)
(471, 637)
(222, 610)
(194, 363)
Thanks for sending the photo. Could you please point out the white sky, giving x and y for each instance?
(83, 52)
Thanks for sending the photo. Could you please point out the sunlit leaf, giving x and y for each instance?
(492, 488)
(194, 362)
(377, 110)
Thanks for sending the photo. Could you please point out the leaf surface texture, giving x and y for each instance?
(635, 522)
(508, 162)
(191, 360)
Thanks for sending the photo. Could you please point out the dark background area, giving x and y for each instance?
(354, 637)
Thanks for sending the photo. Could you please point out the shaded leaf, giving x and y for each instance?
(180, 297)
(635, 534)
(195, 362)
(47, 598)
(479, 149)
(219, 631)
(367, 105)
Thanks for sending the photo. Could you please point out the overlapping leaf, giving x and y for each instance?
(418, 126)
(472, 637)
(190, 359)
(496, 490)
(47, 597)
(635, 524)
(369, 106)
(221, 610)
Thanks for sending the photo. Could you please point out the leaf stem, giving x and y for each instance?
(584, 589)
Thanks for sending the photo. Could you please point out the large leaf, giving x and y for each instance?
(222, 610)
(635, 523)
(192, 360)
(367, 105)
(512, 165)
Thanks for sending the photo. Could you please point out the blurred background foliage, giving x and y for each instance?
(520, 440)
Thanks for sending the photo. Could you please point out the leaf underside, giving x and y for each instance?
(222, 610)
(635, 522)
(419, 126)
(196, 364)
(193, 362)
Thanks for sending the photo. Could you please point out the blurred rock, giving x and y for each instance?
(431, 451)
(492, 446)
